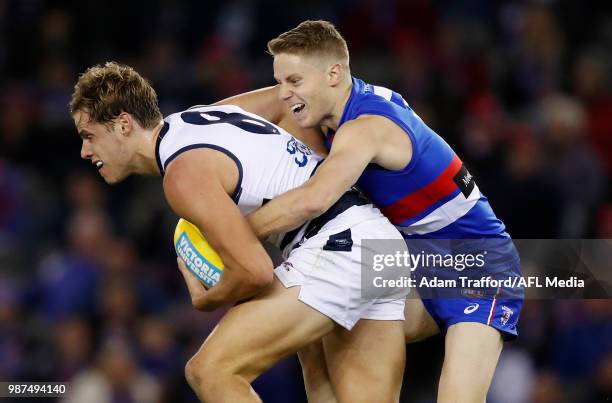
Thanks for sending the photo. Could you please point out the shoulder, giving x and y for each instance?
(371, 103)
(173, 139)
(201, 127)
(192, 168)
(373, 99)
(371, 125)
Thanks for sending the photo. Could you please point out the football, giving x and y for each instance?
(199, 257)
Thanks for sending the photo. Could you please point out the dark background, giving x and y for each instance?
(89, 290)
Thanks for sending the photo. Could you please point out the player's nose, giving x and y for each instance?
(85, 151)
(284, 93)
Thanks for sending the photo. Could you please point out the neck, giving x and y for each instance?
(333, 120)
(145, 158)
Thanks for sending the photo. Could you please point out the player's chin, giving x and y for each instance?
(303, 124)
(114, 179)
(110, 181)
(306, 122)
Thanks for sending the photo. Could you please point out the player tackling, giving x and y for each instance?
(379, 143)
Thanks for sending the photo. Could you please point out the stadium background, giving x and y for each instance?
(89, 290)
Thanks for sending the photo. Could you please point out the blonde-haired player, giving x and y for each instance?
(218, 163)
(378, 142)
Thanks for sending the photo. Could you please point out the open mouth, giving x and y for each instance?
(297, 108)
(98, 164)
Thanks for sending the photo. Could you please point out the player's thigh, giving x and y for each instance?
(367, 363)
(471, 354)
(418, 324)
(316, 377)
(252, 336)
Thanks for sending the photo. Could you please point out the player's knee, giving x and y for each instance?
(202, 370)
(193, 373)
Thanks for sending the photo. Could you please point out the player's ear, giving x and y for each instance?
(334, 74)
(126, 123)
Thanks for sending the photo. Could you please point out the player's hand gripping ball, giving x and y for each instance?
(199, 257)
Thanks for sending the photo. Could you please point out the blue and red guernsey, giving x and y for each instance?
(434, 196)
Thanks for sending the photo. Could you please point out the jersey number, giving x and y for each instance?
(244, 122)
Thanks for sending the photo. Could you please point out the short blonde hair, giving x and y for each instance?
(105, 91)
(310, 38)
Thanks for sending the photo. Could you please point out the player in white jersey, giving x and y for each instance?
(218, 163)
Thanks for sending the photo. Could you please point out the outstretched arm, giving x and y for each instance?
(263, 102)
(355, 146)
(197, 186)
(266, 103)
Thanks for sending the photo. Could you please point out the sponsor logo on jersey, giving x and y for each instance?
(507, 313)
(471, 308)
(301, 151)
(287, 265)
(464, 181)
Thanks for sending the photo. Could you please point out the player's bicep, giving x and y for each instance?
(339, 171)
(350, 154)
(196, 192)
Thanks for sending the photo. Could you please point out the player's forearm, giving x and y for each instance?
(333, 178)
(237, 285)
(285, 213)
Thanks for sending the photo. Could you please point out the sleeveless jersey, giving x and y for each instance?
(270, 161)
(434, 196)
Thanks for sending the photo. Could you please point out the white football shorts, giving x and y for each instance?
(327, 267)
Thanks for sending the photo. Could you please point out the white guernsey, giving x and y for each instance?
(270, 162)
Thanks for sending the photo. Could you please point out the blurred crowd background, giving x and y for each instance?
(89, 289)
